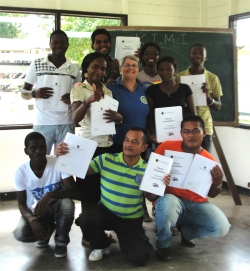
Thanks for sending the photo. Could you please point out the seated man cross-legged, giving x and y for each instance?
(49, 207)
(194, 215)
(120, 208)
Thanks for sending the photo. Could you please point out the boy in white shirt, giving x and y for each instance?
(51, 209)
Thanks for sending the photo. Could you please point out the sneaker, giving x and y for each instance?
(187, 243)
(184, 241)
(164, 254)
(97, 254)
(60, 251)
(40, 244)
(45, 243)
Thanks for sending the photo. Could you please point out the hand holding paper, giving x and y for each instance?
(196, 84)
(78, 155)
(99, 124)
(53, 102)
(155, 179)
(217, 175)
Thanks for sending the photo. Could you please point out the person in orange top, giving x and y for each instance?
(193, 214)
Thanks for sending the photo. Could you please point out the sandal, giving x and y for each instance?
(175, 231)
(110, 237)
(153, 211)
(86, 243)
(147, 218)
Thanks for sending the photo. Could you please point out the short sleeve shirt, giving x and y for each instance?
(68, 74)
(181, 193)
(215, 90)
(81, 94)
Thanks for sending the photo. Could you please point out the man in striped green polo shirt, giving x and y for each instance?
(120, 208)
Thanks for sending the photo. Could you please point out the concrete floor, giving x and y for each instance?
(230, 253)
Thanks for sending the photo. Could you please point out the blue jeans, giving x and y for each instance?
(54, 134)
(197, 220)
(59, 216)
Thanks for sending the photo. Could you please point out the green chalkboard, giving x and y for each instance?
(176, 42)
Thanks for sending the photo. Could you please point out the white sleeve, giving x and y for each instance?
(31, 74)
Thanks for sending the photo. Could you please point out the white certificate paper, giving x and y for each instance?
(99, 126)
(195, 83)
(158, 166)
(168, 123)
(59, 85)
(77, 161)
(180, 167)
(126, 46)
(199, 179)
(191, 172)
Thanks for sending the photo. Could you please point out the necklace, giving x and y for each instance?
(166, 90)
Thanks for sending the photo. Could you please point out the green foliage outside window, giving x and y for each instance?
(79, 47)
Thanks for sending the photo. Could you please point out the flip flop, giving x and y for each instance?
(153, 211)
(147, 218)
(175, 231)
(110, 237)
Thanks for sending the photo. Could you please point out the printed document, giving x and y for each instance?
(195, 83)
(99, 126)
(81, 151)
(191, 172)
(199, 179)
(126, 46)
(180, 167)
(168, 123)
(59, 85)
(158, 166)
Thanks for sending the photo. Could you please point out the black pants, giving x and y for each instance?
(89, 188)
(134, 244)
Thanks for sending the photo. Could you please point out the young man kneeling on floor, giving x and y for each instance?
(49, 206)
(194, 215)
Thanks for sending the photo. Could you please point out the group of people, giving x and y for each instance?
(109, 194)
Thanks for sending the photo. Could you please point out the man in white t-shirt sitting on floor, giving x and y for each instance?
(51, 209)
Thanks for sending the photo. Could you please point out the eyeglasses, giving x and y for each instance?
(134, 66)
(194, 131)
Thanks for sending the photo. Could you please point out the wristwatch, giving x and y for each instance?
(211, 102)
(33, 93)
(86, 105)
(218, 186)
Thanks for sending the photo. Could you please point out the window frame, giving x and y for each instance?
(57, 14)
(232, 24)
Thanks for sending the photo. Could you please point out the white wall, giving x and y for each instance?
(235, 144)
(177, 13)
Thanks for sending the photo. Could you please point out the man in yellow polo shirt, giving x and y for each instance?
(212, 88)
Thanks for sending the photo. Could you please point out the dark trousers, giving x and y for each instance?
(89, 188)
(59, 216)
(134, 244)
(207, 143)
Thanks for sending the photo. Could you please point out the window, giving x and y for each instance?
(20, 43)
(79, 30)
(241, 23)
(24, 36)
